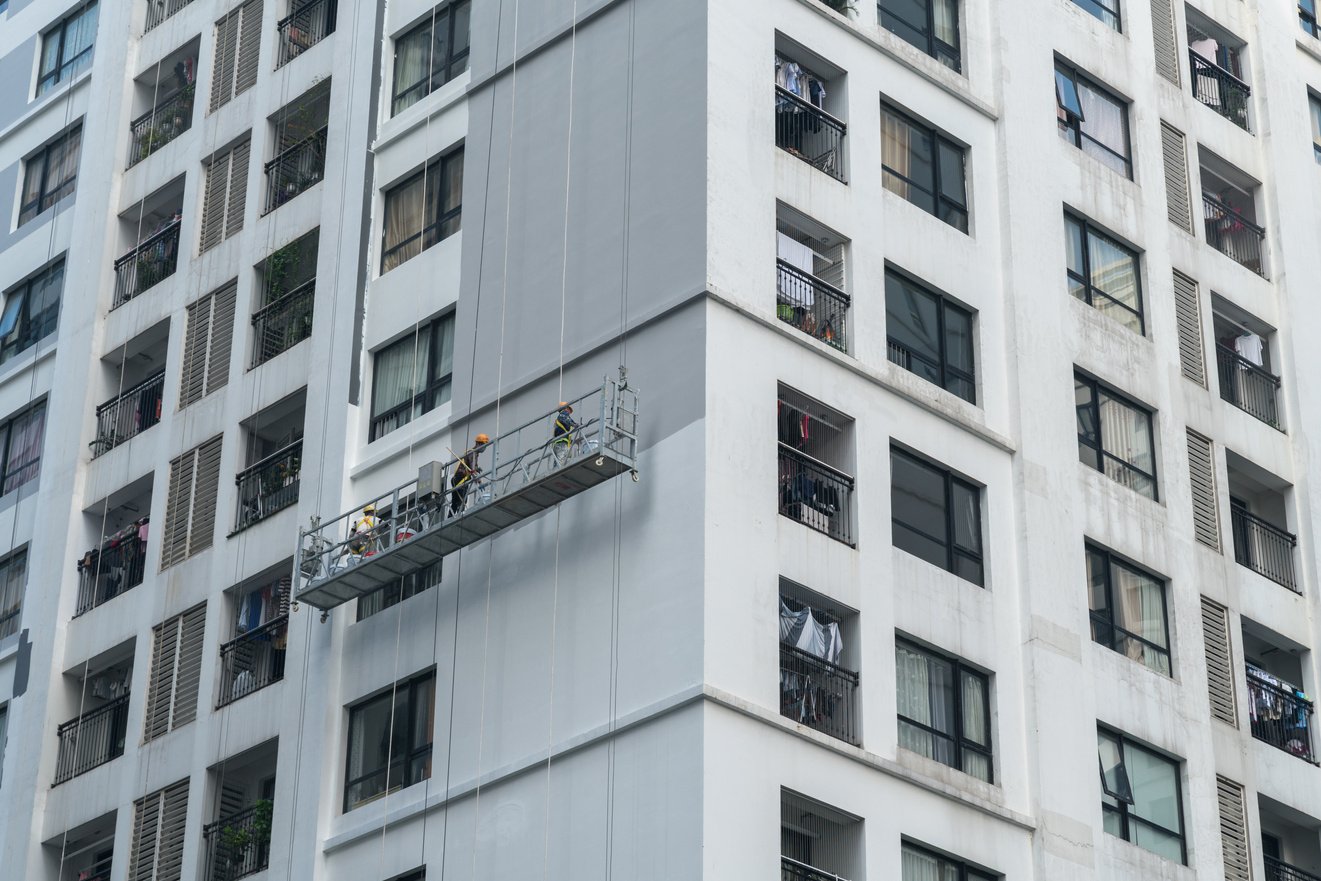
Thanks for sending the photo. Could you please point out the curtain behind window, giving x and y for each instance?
(24, 460)
(1126, 434)
(78, 37)
(393, 380)
(412, 62)
(946, 16)
(895, 139)
(1141, 602)
(919, 866)
(403, 219)
(975, 725)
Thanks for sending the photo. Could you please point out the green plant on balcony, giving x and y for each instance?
(235, 840)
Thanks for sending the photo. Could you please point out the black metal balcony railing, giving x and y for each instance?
(269, 486)
(1280, 717)
(1232, 234)
(295, 170)
(106, 572)
(240, 844)
(815, 307)
(1248, 386)
(818, 694)
(129, 414)
(92, 739)
(253, 660)
(1220, 90)
(159, 10)
(99, 870)
(306, 26)
(1264, 548)
(283, 323)
(792, 870)
(809, 133)
(816, 495)
(1278, 870)
(147, 265)
(161, 124)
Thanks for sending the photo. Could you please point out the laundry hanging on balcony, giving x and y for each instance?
(802, 630)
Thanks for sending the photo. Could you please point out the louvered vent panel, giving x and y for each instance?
(1163, 30)
(188, 677)
(146, 834)
(213, 202)
(197, 334)
(249, 43)
(1188, 310)
(174, 819)
(1174, 154)
(1201, 476)
(1233, 830)
(222, 336)
(201, 533)
(237, 199)
(222, 73)
(177, 507)
(1219, 662)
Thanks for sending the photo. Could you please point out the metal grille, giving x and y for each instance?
(176, 666)
(159, 823)
(1280, 715)
(253, 660)
(128, 415)
(269, 486)
(1264, 547)
(1233, 235)
(1233, 830)
(1220, 90)
(1174, 155)
(226, 195)
(1188, 311)
(1201, 475)
(306, 26)
(239, 844)
(92, 739)
(159, 10)
(818, 694)
(208, 338)
(1219, 662)
(1167, 52)
(238, 43)
(147, 265)
(1248, 386)
(809, 133)
(190, 513)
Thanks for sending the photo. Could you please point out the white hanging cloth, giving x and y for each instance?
(803, 631)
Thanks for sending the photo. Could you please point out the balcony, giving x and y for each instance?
(1264, 547)
(810, 133)
(1220, 90)
(1248, 386)
(128, 415)
(1232, 234)
(811, 305)
(147, 265)
(159, 10)
(816, 495)
(307, 25)
(91, 740)
(1278, 870)
(296, 169)
(283, 324)
(818, 694)
(162, 124)
(116, 566)
(269, 486)
(792, 870)
(253, 660)
(239, 844)
(1280, 714)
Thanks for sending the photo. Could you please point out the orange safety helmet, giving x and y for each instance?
(483, 439)
(564, 405)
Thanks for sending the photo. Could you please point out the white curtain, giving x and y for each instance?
(403, 219)
(946, 16)
(24, 459)
(1142, 612)
(975, 726)
(77, 38)
(393, 381)
(412, 64)
(1126, 434)
(1103, 121)
(919, 866)
(802, 630)
(895, 134)
(924, 694)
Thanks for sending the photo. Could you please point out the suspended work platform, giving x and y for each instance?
(523, 472)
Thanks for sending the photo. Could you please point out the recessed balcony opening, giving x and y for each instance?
(819, 662)
(1248, 378)
(1229, 212)
(288, 291)
(1279, 710)
(163, 102)
(816, 459)
(817, 842)
(237, 840)
(274, 453)
(1289, 838)
(810, 267)
(150, 231)
(133, 377)
(253, 655)
(85, 852)
(117, 560)
(308, 23)
(300, 146)
(810, 100)
(1218, 69)
(97, 695)
(1259, 511)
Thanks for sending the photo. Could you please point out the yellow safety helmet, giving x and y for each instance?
(483, 439)
(369, 509)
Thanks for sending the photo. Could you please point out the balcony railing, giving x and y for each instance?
(1264, 548)
(816, 495)
(295, 170)
(792, 870)
(128, 415)
(240, 844)
(147, 265)
(818, 694)
(159, 10)
(1248, 386)
(1233, 235)
(253, 660)
(92, 739)
(1220, 90)
(98, 870)
(813, 306)
(1280, 717)
(269, 486)
(284, 323)
(1278, 870)
(809, 133)
(308, 25)
(160, 125)
(106, 572)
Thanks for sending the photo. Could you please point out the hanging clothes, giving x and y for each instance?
(802, 630)
(1250, 347)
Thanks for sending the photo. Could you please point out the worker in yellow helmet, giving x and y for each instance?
(465, 469)
(562, 433)
(363, 530)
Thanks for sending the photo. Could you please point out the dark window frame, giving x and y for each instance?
(935, 189)
(413, 684)
(405, 587)
(1086, 6)
(947, 371)
(9, 619)
(27, 332)
(950, 56)
(950, 481)
(965, 871)
(1097, 445)
(1090, 291)
(440, 73)
(960, 743)
(1123, 801)
(7, 429)
(47, 80)
(437, 168)
(1314, 117)
(430, 393)
(1307, 17)
(47, 198)
(1104, 618)
(1071, 121)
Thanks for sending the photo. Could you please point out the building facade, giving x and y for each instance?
(934, 502)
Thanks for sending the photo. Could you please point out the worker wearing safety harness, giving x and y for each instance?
(364, 531)
(562, 437)
(464, 471)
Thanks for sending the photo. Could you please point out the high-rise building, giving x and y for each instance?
(659, 439)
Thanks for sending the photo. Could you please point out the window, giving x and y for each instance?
(1307, 17)
(13, 579)
(1092, 119)
(944, 710)
(159, 822)
(1103, 273)
(225, 196)
(412, 376)
(929, 335)
(4, 733)
(190, 509)
(31, 312)
(1128, 610)
(920, 864)
(390, 740)
(396, 592)
(66, 49)
(423, 210)
(1314, 107)
(924, 167)
(208, 338)
(1140, 797)
(50, 174)
(936, 516)
(930, 25)
(1114, 436)
(431, 54)
(176, 665)
(1106, 10)
(23, 436)
(238, 47)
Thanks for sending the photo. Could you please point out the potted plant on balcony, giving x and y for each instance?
(236, 840)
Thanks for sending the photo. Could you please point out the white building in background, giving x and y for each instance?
(967, 356)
